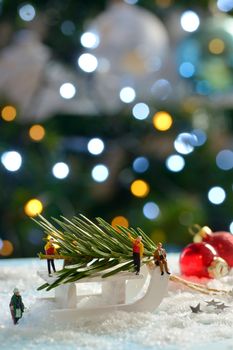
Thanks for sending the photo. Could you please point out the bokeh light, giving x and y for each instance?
(8, 113)
(37, 132)
(131, 2)
(184, 143)
(141, 111)
(216, 46)
(225, 5)
(216, 195)
(88, 62)
(89, 40)
(33, 207)
(95, 146)
(224, 159)
(60, 170)
(151, 210)
(231, 227)
(189, 21)
(127, 94)
(140, 188)
(7, 248)
(162, 121)
(27, 12)
(200, 137)
(11, 160)
(187, 69)
(100, 173)
(175, 163)
(140, 164)
(67, 90)
(119, 221)
(161, 89)
(68, 28)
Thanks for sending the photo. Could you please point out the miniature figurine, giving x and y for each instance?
(138, 249)
(160, 258)
(50, 250)
(16, 306)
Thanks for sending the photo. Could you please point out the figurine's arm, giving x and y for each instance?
(131, 238)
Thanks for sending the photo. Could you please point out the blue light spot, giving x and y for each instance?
(187, 69)
(140, 164)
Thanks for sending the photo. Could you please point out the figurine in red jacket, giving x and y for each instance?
(50, 250)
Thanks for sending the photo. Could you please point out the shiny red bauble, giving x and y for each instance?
(202, 260)
(222, 242)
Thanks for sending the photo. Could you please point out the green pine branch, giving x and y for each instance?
(90, 249)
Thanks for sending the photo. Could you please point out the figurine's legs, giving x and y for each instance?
(53, 265)
(137, 262)
(161, 267)
(49, 267)
(166, 267)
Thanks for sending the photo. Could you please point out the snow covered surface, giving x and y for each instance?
(173, 326)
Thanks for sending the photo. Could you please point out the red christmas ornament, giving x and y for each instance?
(222, 242)
(202, 260)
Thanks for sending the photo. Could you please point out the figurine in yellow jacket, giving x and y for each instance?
(138, 249)
(50, 250)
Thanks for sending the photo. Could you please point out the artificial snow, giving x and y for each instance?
(171, 327)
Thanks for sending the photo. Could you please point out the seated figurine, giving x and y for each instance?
(160, 258)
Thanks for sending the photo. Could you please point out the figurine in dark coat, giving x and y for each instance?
(16, 306)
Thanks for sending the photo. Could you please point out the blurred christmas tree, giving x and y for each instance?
(138, 131)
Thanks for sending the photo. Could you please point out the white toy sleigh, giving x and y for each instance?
(124, 291)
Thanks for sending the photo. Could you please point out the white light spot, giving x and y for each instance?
(100, 173)
(184, 143)
(95, 146)
(87, 62)
(189, 21)
(89, 40)
(141, 111)
(11, 160)
(27, 12)
(231, 227)
(127, 94)
(175, 163)
(151, 210)
(216, 195)
(67, 90)
(60, 170)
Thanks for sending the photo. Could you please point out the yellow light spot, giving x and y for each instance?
(140, 188)
(163, 3)
(7, 248)
(121, 221)
(162, 121)
(8, 113)
(216, 46)
(33, 207)
(37, 132)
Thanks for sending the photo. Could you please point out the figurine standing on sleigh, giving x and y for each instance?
(138, 249)
(160, 258)
(16, 306)
(50, 250)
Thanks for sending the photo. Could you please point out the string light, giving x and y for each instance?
(162, 121)
(11, 160)
(33, 207)
(119, 221)
(140, 188)
(8, 113)
(7, 248)
(37, 132)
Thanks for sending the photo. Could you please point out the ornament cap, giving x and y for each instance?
(199, 233)
(218, 268)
